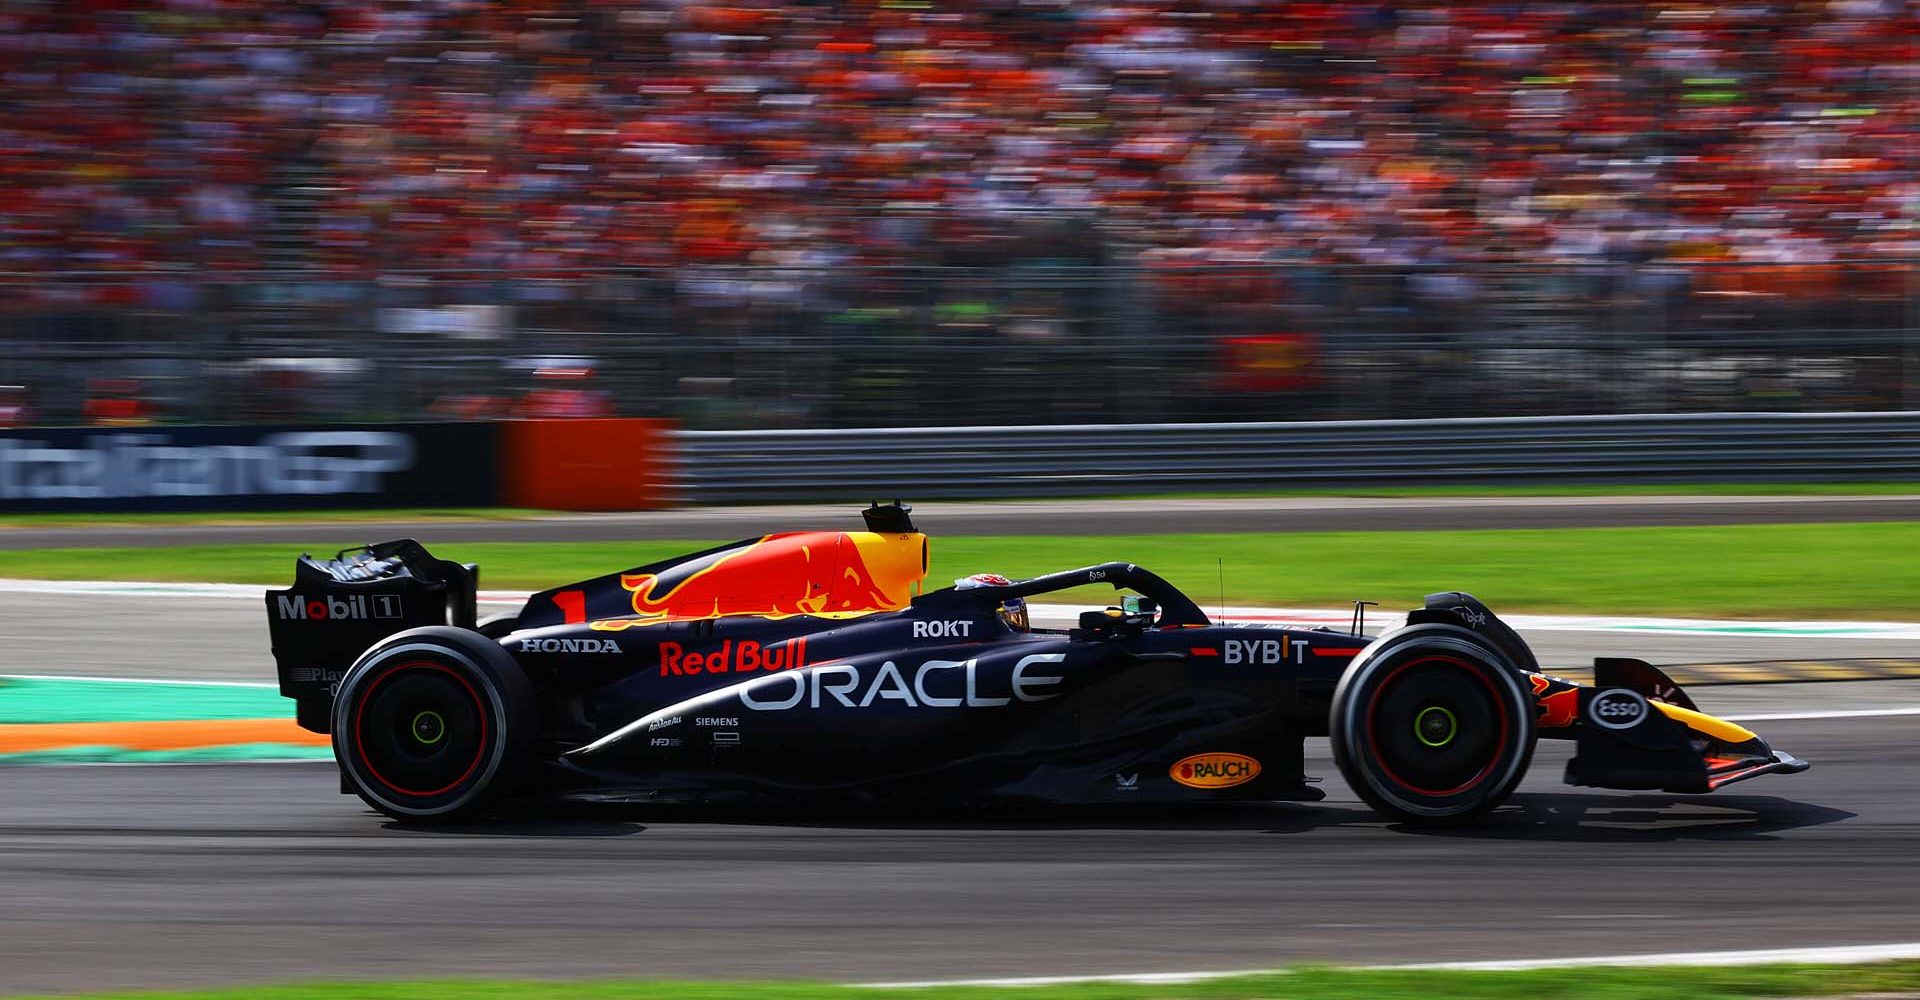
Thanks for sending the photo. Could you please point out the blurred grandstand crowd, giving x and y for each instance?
(165, 149)
(541, 136)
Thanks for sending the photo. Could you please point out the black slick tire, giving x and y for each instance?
(1432, 724)
(434, 724)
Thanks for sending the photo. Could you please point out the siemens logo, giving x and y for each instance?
(112, 466)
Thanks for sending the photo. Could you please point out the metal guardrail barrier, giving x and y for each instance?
(1019, 340)
(1117, 459)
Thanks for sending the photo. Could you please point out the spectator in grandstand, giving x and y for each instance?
(365, 136)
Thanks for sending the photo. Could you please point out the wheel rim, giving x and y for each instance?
(421, 729)
(429, 728)
(1436, 726)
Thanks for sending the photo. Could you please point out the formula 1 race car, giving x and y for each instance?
(811, 665)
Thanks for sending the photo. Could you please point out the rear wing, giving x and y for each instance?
(339, 607)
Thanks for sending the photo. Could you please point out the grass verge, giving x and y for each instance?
(1572, 490)
(327, 515)
(1754, 571)
(1301, 984)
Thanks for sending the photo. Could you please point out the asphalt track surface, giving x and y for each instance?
(157, 876)
(133, 876)
(1091, 517)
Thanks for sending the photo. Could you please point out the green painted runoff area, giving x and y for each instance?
(1790, 571)
(29, 700)
(227, 754)
(62, 700)
(1894, 978)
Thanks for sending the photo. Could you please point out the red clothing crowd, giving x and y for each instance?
(356, 138)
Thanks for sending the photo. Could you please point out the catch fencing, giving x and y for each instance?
(1109, 460)
(741, 347)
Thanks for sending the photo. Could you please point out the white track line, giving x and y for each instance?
(1842, 713)
(1833, 955)
(1379, 618)
(1840, 955)
(134, 588)
(224, 591)
(1149, 978)
(1382, 619)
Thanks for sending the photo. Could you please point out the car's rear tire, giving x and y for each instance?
(434, 724)
(1432, 724)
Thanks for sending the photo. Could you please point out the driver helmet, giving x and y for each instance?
(1013, 610)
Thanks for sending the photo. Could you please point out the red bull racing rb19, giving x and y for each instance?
(815, 666)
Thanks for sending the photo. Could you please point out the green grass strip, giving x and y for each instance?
(1301, 984)
(62, 700)
(364, 514)
(1753, 571)
(256, 517)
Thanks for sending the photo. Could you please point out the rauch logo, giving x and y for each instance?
(1215, 770)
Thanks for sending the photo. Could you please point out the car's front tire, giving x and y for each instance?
(1432, 724)
(433, 724)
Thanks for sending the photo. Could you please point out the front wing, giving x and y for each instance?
(1637, 730)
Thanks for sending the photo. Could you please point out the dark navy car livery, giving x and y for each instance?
(814, 665)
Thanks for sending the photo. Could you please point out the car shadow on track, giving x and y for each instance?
(1560, 817)
(611, 820)
(1575, 818)
(523, 824)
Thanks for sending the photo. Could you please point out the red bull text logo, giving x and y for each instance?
(741, 657)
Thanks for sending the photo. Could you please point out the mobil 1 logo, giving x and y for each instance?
(333, 608)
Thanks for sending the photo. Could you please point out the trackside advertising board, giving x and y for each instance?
(248, 467)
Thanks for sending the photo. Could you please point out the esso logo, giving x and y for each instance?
(1617, 708)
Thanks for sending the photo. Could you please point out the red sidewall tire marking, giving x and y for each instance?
(358, 739)
(1373, 741)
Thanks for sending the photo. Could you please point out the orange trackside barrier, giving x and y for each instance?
(591, 464)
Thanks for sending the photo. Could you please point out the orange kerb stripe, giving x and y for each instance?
(189, 734)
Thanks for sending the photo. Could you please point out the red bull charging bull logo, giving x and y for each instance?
(800, 573)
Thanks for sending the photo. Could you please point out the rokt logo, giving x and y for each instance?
(942, 630)
(355, 607)
(1215, 770)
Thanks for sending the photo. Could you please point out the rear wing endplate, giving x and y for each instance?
(339, 607)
